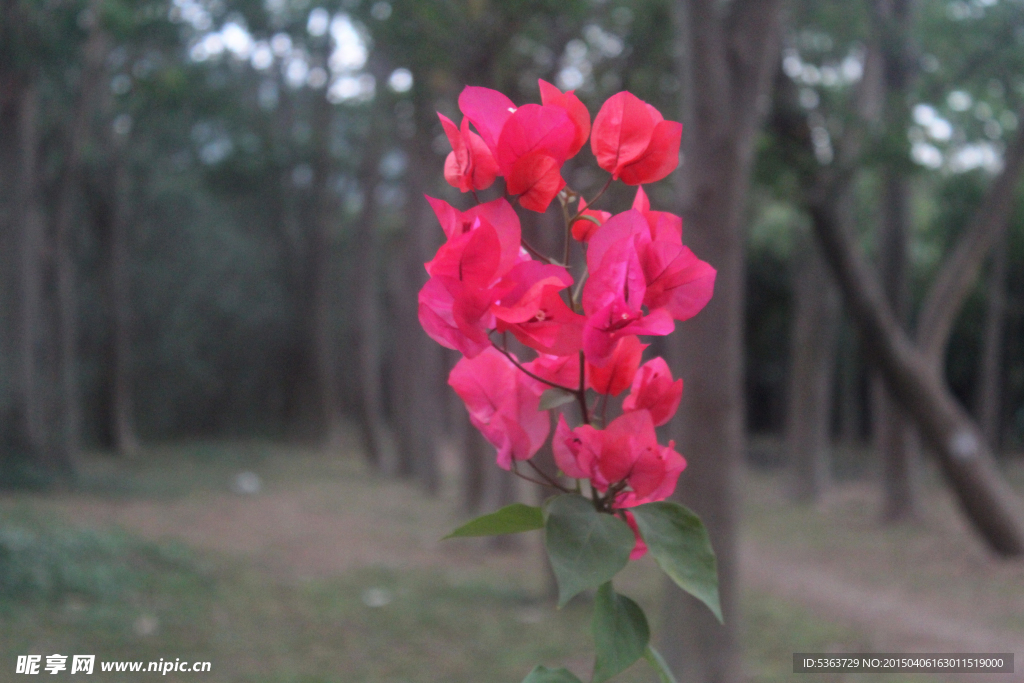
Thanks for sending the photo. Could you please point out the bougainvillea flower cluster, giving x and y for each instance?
(487, 288)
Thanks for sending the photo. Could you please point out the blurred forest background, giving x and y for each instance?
(212, 230)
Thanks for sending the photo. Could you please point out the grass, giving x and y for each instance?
(107, 592)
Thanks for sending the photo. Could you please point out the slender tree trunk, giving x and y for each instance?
(419, 360)
(990, 374)
(322, 224)
(123, 428)
(366, 299)
(894, 439)
(728, 59)
(813, 357)
(30, 236)
(66, 453)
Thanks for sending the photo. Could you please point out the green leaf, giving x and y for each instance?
(552, 398)
(511, 519)
(542, 674)
(620, 633)
(679, 543)
(660, 665)
(586, 547)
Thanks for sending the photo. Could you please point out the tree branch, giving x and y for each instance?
(989, 502)
(960, 269)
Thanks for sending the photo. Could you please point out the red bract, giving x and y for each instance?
(503, 404)
(627, 452)
(535, 313)
(677, 281)
(662, 224)
(470, 165)
(614, 293)
(673, 278)
(534, 143)
(454, 305)
(561, 370)
(654, 390)
(577, 111)
(488, 110)
(633, 142)
(499, 213)
(529, 143)
(617, 374)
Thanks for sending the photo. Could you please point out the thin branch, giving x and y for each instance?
(536, 254)
(581, 392)
(959, 271)
(554, 483)
(530, 374)
(590, 204)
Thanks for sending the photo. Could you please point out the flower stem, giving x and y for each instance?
(591, 202)
(581, 392)
(553, 483)
(530, 374)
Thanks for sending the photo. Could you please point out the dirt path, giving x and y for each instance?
(896, 622)
(306, 532)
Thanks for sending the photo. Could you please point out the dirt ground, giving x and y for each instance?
(319, 529)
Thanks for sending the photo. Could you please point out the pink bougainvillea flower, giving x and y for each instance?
(617, 374)
(537, 179)
(677, 281)
(437, 316)
(535, 129)
(633, 142)
(654, 390)
(584, 228)
(498, 213)
(488, 110)
(616, 320)
(627, 451)
(662, 224)
(614, 293)
(533, 311)
(470, 165)
(503, 404)
(673, 278)
(466, 272)
(534, 143)
(561, 370)
(551, 95)
(570, 455)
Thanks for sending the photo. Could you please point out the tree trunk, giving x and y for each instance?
(123, 428)
(812, 375)
(894, 440)
(366, 298)
(28, 223)
(990, 374)
(419, 361)
(66, 453)
(728, 58)
(323, 222)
